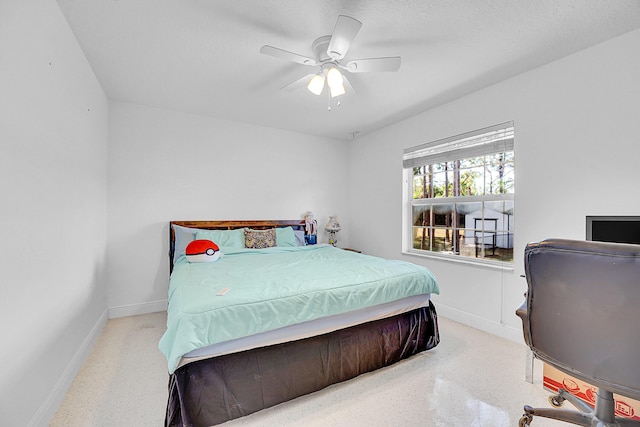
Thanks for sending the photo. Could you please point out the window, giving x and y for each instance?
(459, 196)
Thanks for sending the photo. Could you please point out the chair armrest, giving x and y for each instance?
(523, 314)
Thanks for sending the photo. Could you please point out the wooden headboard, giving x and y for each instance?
(259, 224)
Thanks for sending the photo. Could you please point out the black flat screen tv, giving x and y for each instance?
(617, 229)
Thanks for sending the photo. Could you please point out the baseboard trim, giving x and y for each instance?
(495, 328)
(136, 309)
(55, 397)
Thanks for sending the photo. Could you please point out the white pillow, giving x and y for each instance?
(183, 236)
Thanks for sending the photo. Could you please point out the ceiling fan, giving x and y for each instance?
(329, 53)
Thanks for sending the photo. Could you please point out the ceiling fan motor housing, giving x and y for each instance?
(319, 47)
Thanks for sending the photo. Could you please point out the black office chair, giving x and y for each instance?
(582, 316)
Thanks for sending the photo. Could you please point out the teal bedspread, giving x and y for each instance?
(276, 287)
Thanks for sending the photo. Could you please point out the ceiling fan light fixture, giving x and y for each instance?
(337, 90)
(334, 78)
(316, 84)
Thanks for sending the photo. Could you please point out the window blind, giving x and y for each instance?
(493, 139)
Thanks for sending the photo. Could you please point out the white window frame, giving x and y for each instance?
(486, 141)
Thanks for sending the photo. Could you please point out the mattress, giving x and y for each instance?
(308, 329)
(282, 292)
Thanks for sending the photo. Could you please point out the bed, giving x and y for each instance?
(295, 319)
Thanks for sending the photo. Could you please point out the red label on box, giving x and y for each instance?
(553, 379)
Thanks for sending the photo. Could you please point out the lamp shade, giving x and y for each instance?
(334, 78)
(333, 224)
(316, 84)
(337, 90)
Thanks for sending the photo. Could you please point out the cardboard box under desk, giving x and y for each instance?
(552, 379)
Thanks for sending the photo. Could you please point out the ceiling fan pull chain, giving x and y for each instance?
(337, 103)
(337, 98)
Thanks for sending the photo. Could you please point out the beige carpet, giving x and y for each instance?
(471, 379)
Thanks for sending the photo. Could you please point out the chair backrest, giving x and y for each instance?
(583, 310)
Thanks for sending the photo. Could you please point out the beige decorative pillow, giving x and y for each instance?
(259, 239)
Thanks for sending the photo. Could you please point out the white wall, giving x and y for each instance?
(53, 147)
(166, 165)
(577, 145)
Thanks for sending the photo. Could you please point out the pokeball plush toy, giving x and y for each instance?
(202, 251)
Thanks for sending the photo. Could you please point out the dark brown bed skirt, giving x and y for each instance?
(212, 391)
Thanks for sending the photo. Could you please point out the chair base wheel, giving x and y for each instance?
(603, 415)
(525, 420)
(556, 401)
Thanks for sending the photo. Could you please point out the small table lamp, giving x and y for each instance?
(333, 226)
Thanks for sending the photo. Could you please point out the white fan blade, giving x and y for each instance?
(373, 64)
(301, 82)
(343, 34)
(286, 55)
(348, 85)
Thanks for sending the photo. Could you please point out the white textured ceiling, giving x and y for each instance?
(202, 56)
